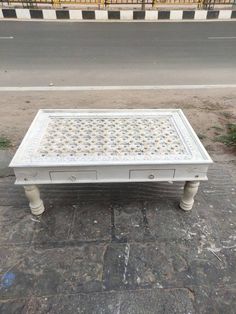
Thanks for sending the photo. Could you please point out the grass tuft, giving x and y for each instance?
(4, 142)
(217, 128)
(230, 138)
(227, 115)
(201, 136)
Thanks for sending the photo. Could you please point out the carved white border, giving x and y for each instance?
(25, 155)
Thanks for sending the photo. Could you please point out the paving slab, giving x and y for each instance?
(215, 300)
(39, 272)
(16, 225)
(119, 248)
(134, 302)
(5, 158)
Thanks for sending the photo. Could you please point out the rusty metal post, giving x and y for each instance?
(154, 3)
(101, 4)
(143, 5)
(56, 3)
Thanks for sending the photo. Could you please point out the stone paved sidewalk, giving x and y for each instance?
(119, 248)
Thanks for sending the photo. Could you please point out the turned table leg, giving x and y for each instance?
(190, 190)
(35, 202)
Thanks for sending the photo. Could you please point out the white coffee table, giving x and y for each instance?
(84, 146)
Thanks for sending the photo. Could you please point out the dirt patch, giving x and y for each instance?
(209, 111)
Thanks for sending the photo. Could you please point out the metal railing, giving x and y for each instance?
(51, 2)
(210, 4)
(106, 3)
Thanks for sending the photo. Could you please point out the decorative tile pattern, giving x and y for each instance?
(108, 137)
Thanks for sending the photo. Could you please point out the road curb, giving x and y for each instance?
(123, 15)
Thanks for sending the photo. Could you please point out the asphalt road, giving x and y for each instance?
(117, 53)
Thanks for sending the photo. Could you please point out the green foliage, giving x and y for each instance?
(217, 128)
(201, 136)
(230, 138)
(227, 115)
(4, 142)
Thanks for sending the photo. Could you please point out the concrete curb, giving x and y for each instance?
(124, 15)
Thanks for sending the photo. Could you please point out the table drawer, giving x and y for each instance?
(73, 176)
(151, 174)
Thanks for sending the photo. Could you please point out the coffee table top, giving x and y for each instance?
(109, 137)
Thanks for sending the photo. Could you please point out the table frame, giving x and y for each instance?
(31, 172)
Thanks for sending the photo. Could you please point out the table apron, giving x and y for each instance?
(121, 173)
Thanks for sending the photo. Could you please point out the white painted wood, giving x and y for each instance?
(73, 146)
(152, 174)
(23, 14)
(73, 176)
(35, 202)
(101, 15)
(110, 173)
(225, 14)
(176, 15)
(59, 138)
(126, 15)
(151, 15)
(75, 14)
(49, 14)
(190, 190)
(200, 15)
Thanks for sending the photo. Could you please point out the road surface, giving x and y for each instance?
(66, 54)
